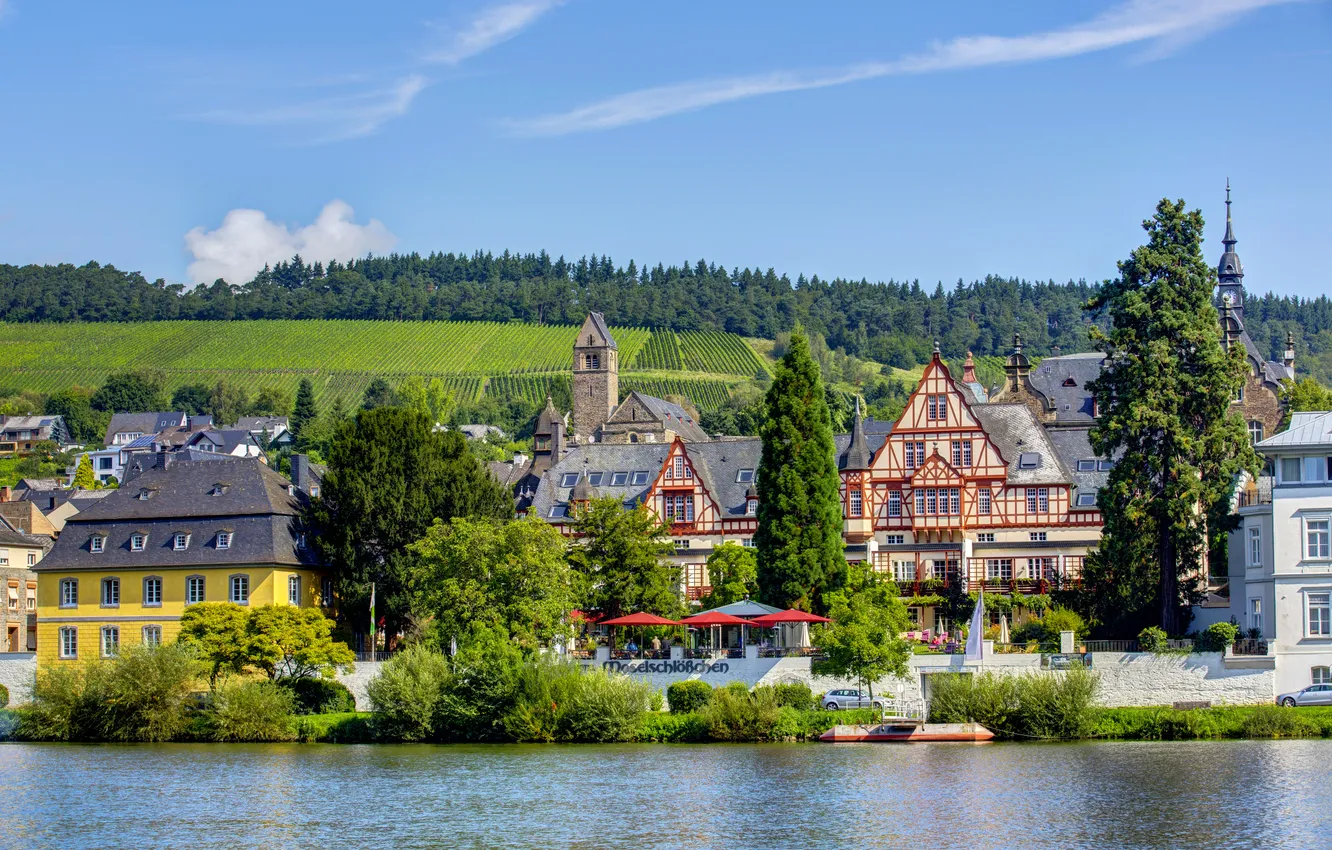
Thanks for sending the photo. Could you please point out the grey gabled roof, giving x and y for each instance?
(1308, 430)
(1073, 445)
(599, 322)
(744, 608)
(672, 415)
(148, 423)
(1015, 431)
(1063, 381)
(253, 502)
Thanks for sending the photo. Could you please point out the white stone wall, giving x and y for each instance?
(18, 673)
(1141, 679)
(358, 679)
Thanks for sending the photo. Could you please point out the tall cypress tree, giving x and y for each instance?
(799, 538)
(304, 411)
(1164, 399)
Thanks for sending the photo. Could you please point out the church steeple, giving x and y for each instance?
(1230, 272)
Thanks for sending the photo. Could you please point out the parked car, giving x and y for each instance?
(850, 698)
(1312, 695)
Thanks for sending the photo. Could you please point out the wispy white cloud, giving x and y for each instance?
(490, 27)
(1161, 24)
(247, 240)
(346, 115)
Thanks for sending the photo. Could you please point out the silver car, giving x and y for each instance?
(1312, 695)
(850, 698)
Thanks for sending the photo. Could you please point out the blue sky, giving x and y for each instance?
(903, 140)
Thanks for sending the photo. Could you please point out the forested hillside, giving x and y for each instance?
(893, 322)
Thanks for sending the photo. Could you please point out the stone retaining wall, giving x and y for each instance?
(358, 679)
(18, 673)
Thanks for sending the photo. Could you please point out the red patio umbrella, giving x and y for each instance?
(642, 618)
(715, 618)
(790, 615)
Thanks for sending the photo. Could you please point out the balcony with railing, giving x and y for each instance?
(1256, 493)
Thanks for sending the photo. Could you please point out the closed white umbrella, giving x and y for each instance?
(1003, 628)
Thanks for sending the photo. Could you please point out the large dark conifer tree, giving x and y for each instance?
(1164, 400)
(799, 536)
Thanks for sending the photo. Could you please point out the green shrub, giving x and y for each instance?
(796, 695)
(1217, 637)
(1037, 705)
(342, 728)
(688, 696)
(407, 694)
(1271, 721)
(4, 697)
(481, 688)
(1152, 639)
(736, 714)
(674, 728)
(561, 701)
(319, 696)
(68, 704)
(9, 724)
(256, 710)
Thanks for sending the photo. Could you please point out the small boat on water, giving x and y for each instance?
(907, 732)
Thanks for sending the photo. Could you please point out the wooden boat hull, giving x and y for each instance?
(911, 733)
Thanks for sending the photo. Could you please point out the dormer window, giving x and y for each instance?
(619, 479)
(138, 542)
(180, 542)
(640, 477)
(219, 488)
(224, 540)
(744, 476)
(1069, 382)
(145, 494)
(569, 479)
(751, 507)
(96, 544)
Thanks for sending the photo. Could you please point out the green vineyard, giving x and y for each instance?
(341, 357)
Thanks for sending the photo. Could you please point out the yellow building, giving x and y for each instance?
(123, 571)
(20, 551)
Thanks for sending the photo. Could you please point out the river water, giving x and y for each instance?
(1103, 795)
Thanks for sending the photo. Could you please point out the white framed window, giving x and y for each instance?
(751, 507)
(931, 501)
(1255, 431)
(1037, 536)
(966, 453)
(152, 635)
(224, 540)
(294, 590)
(1319, 614)
(639, 478)
(110, 641)
(681, 544)
(138, 542)
(32, 559)
(1290, 470)
(855, 504)
(744, 476)
(1315, 469)
(1041, 568)
(904, 570)
(920, 501)
(239, 589)
(619, 479)
(954, 501)
(983, 502)
(678, 467)
(32, 598)
(985, 537)
(13, 597)
(1255, 546)
(1031, 500)
(568, 479)
(1086, 466)
(194, 589)
(748, 542)
(894, 503)
(110, 593)
(96, 544)
(1320, 675)
(69, 642)
(910, 456)
(69, 593)
(1256, 614)
(957, 453)
(180, 541)
(894, 539)
(1087, 499)
(1043, 500)
(999, 569)
(1317, 538)
(152, 591)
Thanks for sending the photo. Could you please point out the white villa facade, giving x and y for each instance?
(1281, 554)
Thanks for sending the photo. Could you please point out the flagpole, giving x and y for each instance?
(372, 622)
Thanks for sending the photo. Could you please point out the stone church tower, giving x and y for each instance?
(596, 378)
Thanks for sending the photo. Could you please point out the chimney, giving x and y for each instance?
(969, 370)
(300, 472)
(1290, 351)
(4, 494)
(163, 459)
(1056, 351)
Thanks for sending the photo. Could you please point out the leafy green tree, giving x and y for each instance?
(129, 392)
(733, 571)
(75, 405)
(390, 475)
(270, 401)
(218, 632)
(379, 394)
(863, 642)
(510, 574)
(1164, 398)
(295, 643)
(1303, 395)
(622, 556)
(228, 402)
(304, 411)
(799, 537)
(431, 397)
(194, 399)
(84, 479)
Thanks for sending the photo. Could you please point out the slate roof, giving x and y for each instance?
(253, 503)
(1072, 403)
(1015, 431)
(599, 322)
(53, 424)
(1308, 430)
(254, 424)
(672, 415)
(26, 484)
(1073, 445)
(857, 455)
(10, 536)
(148, 423)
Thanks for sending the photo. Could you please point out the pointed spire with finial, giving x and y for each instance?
(969, 370)
(857, 454)
(1230, 271)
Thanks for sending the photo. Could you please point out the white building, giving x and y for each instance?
(1281, 554)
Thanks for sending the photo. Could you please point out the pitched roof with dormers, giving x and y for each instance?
(1024, 444)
